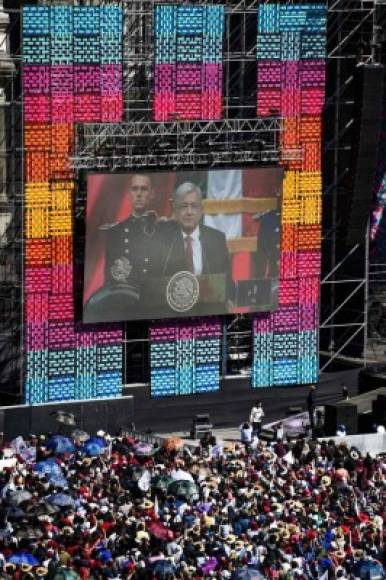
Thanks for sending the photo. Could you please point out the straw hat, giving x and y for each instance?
(258, 487)
(67, 531)
(230, 539)
(326, 480)
(340, 555)
(277, 507)
(26, 567)
(146, 504)
(10, 567)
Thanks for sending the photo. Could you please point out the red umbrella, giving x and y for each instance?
(160, 531)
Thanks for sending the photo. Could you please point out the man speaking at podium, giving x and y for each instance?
(201, 250)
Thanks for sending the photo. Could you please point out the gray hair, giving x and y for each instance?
(183, 190)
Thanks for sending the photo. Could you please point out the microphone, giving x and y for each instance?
(261, 214)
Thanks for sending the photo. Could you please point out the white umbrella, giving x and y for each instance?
(181, 475)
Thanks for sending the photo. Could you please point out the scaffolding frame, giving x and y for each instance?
(352, 39)
(11, 211)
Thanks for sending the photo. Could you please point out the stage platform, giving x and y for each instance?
(90, 415)
(231, 405)
(227, 407)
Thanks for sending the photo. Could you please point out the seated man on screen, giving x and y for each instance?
(191, 246)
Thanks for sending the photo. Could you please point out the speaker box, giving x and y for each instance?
(379, 410)
(366, 131)
(341, 414)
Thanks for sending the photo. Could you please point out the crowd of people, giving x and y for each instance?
(101, 507)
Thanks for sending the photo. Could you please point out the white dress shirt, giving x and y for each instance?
(197, 249)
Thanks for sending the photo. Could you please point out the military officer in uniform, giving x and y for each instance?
(129, 244)
(130, 262)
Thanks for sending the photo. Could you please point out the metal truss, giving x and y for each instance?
(181, 141)
(191, 159)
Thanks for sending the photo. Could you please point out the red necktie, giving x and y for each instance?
(189, 253)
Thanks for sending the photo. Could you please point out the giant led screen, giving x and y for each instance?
(181, 244)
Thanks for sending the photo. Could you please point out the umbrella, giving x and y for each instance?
(18, 496)
(98, 441)
(48, 467)
(163, 567)
(80, 435)
(161, 483)
(64, 573)
(15, 513)
(57, 480)
(369, 570)
(160, 531)
(204, 507)
(20, 558)
(246, 574)
(172, 444)
(42, 509)
(209, 565)
(183, 488)
(60, 444)
(180, 474)
(29, 533)
(61, 500)
(143, 449)
(92, 449)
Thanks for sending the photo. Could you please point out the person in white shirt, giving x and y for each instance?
(256, 417)
(246, 431)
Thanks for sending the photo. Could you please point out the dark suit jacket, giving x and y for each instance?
(215, 256)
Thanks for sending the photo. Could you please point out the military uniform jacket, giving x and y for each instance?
(131, 251)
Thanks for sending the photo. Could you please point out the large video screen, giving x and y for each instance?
(181, 243)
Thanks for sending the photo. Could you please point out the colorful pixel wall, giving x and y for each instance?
(185, 357)
(72, 73)
(291, 40)
(188, 62)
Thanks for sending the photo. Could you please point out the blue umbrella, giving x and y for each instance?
(61, 500)
(57, 480)
(247, 574)
(369, 570)
(60, 444)
(48, 467)
(92, 449)
(163, 567)
(23, 558)
(98, 441)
